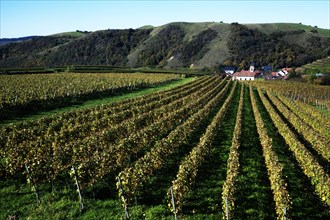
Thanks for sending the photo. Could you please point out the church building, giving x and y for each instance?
(245, 74)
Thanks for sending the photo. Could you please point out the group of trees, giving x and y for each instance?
(109, 47)
(247, 45)
(24, 54)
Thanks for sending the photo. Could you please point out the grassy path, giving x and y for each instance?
(304, 200)
(100, 101)
(254, 198)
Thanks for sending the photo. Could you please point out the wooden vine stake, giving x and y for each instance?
(227, 209)
(122, 193)
(34, 186)
(78, 188)
(173, 204)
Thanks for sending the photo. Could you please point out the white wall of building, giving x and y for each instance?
(243, 78)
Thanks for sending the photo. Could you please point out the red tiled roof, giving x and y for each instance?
(244, 73)
(287, 69)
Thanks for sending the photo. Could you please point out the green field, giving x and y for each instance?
(212, 140)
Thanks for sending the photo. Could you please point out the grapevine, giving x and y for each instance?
(274, 167)
(228, 189)
(190, 165)
(307, 162)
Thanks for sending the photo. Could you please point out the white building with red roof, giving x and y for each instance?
(245, 74)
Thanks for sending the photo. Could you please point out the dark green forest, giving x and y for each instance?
(248, 46)
(109, 47)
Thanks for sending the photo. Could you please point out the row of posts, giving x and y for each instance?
(121, 188)
(36, 191)
(174, 208)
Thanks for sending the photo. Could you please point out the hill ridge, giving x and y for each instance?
(175, 45)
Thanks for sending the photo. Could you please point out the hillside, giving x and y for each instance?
(175, 45)
(287, 27)
(4, 41)
(318, 66)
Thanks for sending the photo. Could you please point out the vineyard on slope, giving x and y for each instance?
(24, 93)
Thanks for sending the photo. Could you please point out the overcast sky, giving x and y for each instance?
(44, 17)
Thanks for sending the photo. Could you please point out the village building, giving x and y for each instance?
(230, 70)
(246, 74)
(266, 68)
(284, 72)
(274, 74)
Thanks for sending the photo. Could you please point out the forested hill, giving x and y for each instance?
(175, 45)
